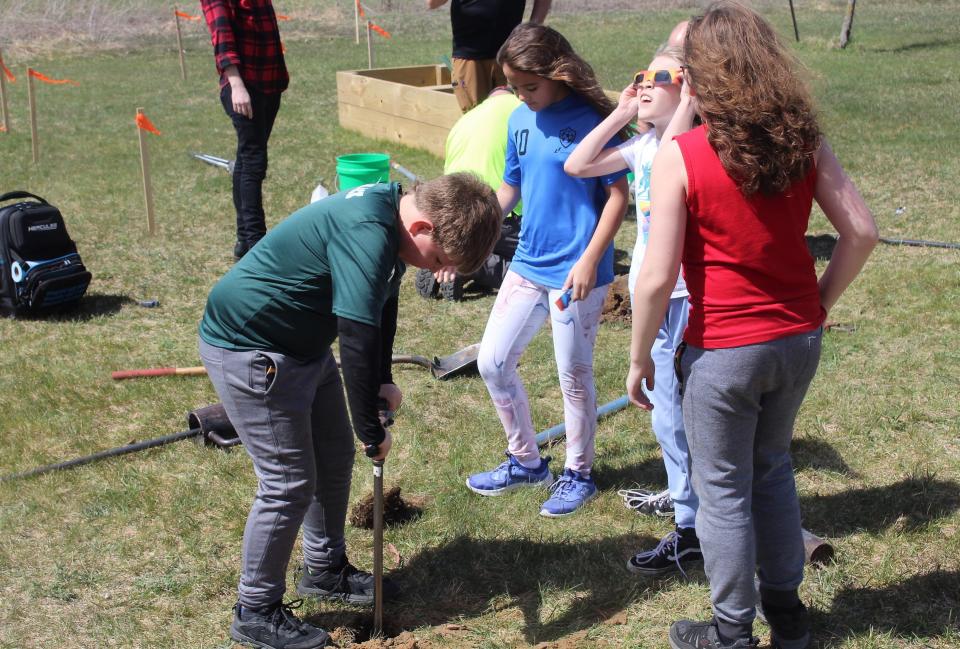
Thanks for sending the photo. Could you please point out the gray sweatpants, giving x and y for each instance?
(293, 422)
(739, 406)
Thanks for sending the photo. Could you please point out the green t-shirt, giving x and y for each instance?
(335, 257)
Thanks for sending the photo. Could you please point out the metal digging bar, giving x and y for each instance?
(209, 423)
(222, 163)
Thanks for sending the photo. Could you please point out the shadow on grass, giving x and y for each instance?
(92, 305)
(913, 502)
(470, 577)
(649, 474)
(923, 606)
(816, 453)
(924, 45)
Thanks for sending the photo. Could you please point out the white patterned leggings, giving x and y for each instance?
(521, 309)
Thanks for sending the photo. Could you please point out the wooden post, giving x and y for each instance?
(3, 99)
(34, 138)
(847, 24)
(369, 48)
(145, 170)
(796, 32)
(356, 18)
(183, 64)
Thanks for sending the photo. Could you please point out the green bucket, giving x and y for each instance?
(355, 169)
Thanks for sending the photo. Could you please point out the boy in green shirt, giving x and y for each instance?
(331, 269)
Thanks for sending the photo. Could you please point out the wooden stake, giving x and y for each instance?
(34, 138)
(356, 18)
(183, 64)
(847, 24)
(369, 47)
(145, 170)
(3, 99)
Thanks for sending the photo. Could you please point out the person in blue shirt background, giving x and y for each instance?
(565, 250)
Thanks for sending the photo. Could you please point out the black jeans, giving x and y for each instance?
(250, 167)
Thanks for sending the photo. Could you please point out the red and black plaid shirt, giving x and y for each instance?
(245, 34)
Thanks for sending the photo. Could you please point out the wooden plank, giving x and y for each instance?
(405, 131)
(418, 104)
(419, 75)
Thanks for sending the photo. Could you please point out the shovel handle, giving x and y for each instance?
(159, 371)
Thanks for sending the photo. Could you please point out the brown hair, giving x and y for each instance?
(543, 51)
(759, 115)
(465, 215)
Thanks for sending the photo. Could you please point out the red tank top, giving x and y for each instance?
(750, 276)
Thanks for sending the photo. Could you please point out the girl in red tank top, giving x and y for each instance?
(731, 201)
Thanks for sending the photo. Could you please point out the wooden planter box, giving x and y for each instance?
(414, 106)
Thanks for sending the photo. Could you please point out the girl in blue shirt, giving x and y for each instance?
(561, 269)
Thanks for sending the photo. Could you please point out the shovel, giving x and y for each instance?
(460, 363)
(213, 160)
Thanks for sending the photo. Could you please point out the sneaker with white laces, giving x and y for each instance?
(510, 475)
(686, 634)
(570, 492)
(677, 550)
(275, 627)
(656, 503)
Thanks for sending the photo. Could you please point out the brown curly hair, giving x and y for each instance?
(543, 51)
(759, 115)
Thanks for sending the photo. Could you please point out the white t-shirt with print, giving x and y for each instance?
(638, 152)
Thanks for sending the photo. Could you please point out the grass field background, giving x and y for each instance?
(143, 551)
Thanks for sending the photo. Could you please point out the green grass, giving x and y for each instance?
(142, 551)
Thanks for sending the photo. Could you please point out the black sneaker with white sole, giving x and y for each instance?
(345, 584)
(687, 634)
(675, 552)
(275, 627)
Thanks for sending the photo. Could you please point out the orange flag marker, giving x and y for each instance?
(6, 71)
(184, 14)
(282, 17)
(380, 30)
(360, 9)
(3, 129)
(145, 124)
(44, 78)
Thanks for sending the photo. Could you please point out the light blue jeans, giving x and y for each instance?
(667, 415)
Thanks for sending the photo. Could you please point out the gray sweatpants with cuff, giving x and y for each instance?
(739, 407)
(292, 419)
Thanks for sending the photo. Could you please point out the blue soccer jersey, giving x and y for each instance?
(560, 213)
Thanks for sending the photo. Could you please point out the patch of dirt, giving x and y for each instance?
(396, 510)
(576, 640)
(616, 308)
(405, 640)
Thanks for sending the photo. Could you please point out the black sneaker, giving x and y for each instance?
(675, 551)
(275, 627)
(345, 584)
(687, 634)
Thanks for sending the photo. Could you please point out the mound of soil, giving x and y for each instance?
(405, 640)
(396, 511)
(616, 308)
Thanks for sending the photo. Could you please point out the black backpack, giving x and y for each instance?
(40, 270)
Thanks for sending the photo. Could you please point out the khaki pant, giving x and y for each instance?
(474, 79)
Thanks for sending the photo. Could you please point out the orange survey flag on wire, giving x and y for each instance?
(360, 9)
(184, 14)
(44, 78)
(380, 30)
(6, 71)
(282, 17)
(144, 123)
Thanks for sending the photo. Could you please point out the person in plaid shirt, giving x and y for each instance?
(249, 59)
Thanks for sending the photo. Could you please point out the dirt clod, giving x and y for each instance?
(616, 308)
(396, 510)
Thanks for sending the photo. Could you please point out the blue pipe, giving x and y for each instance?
(604, 410)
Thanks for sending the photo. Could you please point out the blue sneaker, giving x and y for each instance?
(570, 492)
(508, 476)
